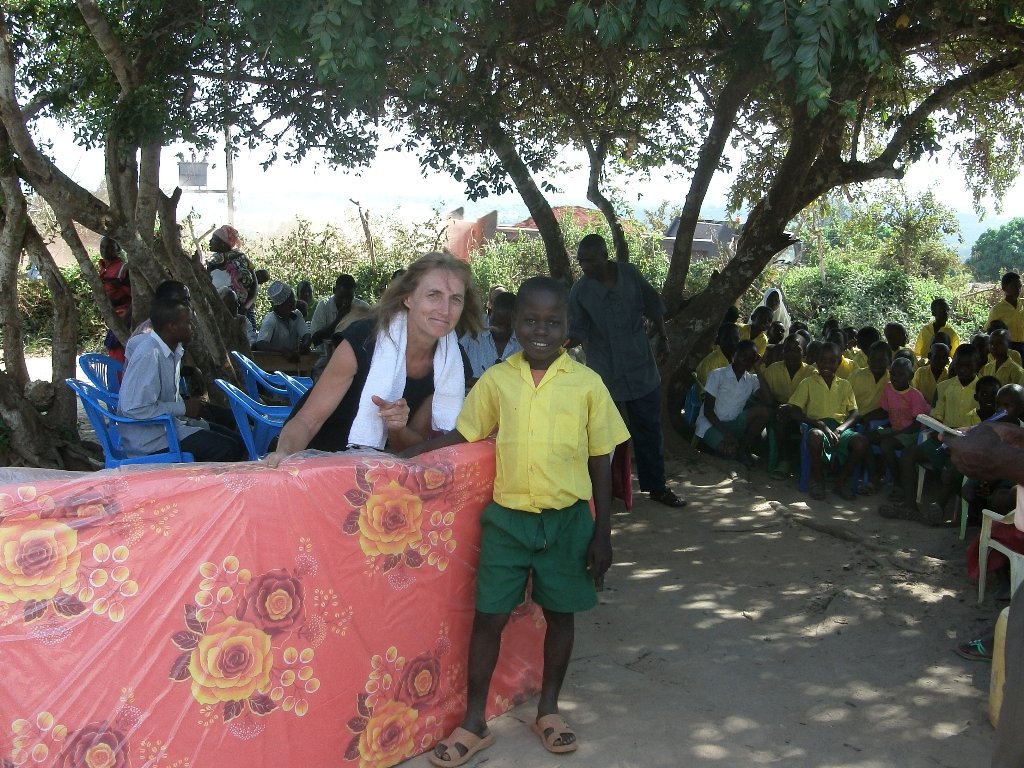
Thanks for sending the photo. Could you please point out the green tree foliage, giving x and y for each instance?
(997, 251)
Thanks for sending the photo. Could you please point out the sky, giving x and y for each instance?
(268, 201)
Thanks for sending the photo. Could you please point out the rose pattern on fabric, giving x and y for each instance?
(394, 515)
(388, 727)
(38, 560)
(229, 650)
(95, 746)
(230, 662)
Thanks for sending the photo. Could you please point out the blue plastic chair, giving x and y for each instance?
(100, 407)
(297, 386)
(259, 383)
(103, 371)
(257, 422)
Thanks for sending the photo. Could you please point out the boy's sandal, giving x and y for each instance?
(976, 650)
(459, 747)
(668, 498)
(555, 734)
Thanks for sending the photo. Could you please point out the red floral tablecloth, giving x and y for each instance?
(234, 615)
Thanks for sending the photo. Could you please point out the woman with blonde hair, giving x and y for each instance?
(396, 376)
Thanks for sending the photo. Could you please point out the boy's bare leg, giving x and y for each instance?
(816, 449)
(484, 646)
(558, 642)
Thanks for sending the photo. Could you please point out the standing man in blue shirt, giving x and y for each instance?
(607, 309)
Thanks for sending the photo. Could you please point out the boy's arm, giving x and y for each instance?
(599, 553)
(851, 419)
(441, 441)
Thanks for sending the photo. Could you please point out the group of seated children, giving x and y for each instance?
(849, 401)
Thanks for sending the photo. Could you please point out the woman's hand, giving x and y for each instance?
(275, 458)
(394, 414)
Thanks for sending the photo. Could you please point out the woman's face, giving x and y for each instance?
(773, 301)
(436, 305)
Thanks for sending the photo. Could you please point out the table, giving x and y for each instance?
(273, 361)
(233, 615)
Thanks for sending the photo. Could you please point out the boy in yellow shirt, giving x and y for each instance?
(781, 379)
(868, 383)
(940, 311)
(826, 404)
(1008, 309)
(927, 377)
(557, 426)
(721, 355)
(755, 330)
(999, 364)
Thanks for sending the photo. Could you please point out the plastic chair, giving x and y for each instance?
(257, 422)
(103, 371)
(259, 383)
(297, 385)
(804, 482)
(100, 408)
(986, 542)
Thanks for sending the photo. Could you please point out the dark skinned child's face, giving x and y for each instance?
(745, 359)
(998, 347)
(501, 322)
(540, 323)
(878, 364)
(896, 337)
(900, 377)
(828, 361)
(986, 397)
(965, 369)
(1010, 401)
(940, 311)
(792, 352)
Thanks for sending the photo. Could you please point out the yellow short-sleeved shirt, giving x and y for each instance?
(546, 432)
(1007, 373)
(927, 333)
(860, 358)
(820, 401)
(760, 341)
(780, 383)
(866, 390)
(845, 368)
(954, 403)
(925, 382)
(1014, 355)
(712, 361)
(1012, 316)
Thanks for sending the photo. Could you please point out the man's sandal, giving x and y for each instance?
(667, 497)
(555, 734)
(459, 747)
(976, 650)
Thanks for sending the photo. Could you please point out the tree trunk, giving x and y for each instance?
(30, 443)
(14, 222)
(540, 210)
(597, 156)
(732, 97)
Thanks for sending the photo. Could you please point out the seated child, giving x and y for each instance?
(846, 366)
(927, 377)
(868, 383)
(781, 379)
(1000, 365)
(955, 406)
(826, 404)
(721, 356)
(896, 336)
(999, 496)
(776, 333)
(940, 313)
(557, 426)
(812, 351)
(760, 319)
(996, 325)
(725, 422)
(866, 336)
(901, 404)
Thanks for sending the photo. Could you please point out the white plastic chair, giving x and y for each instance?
(986, 542)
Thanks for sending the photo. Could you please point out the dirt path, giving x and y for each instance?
(753, 629)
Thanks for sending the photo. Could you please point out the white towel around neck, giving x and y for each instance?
(386, 379)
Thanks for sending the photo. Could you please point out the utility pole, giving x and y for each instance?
(229, 170)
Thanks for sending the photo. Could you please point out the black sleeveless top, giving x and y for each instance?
(333, 435)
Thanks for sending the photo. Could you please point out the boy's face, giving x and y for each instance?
(938, 357)
(986, 396)
(540, 324)
(760, 320)
(878, 363)
(776, 333)
(965, 368)
(745, 359)
(1009, 400)
(828, 361)
(899, 377)
(728, 340)
(792, 352)
(896, 336)
(501, 321)
(940, 311)
(1012, 290)
(998, 345)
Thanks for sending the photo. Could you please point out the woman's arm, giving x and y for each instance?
(328, 392)
(415, 431)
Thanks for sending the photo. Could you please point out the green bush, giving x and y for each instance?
(35, 306)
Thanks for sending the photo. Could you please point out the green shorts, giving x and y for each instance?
(933, 453)
(842, 450)
(550, 545)
(737, 428)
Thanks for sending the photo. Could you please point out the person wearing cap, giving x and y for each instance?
(283, 329)
(229, 267)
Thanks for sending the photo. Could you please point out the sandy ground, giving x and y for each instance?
(755, 627)
(737, 632)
